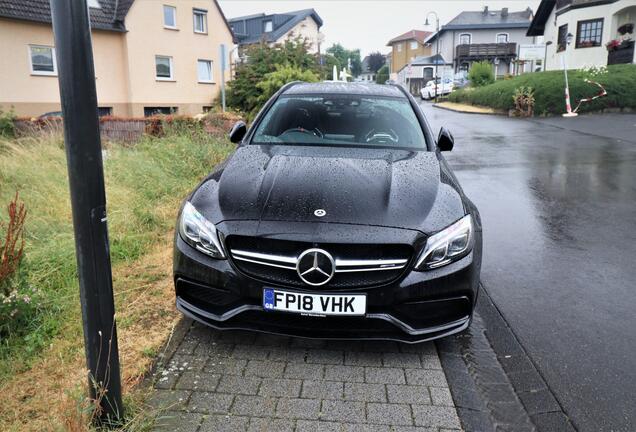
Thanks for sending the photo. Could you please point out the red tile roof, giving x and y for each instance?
(418, 35)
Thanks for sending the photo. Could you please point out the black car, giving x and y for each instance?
(336, 217)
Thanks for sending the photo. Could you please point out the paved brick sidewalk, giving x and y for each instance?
(220, 381)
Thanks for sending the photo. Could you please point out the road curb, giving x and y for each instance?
(545, 411)
(168, 350)
(494, 383)
(495, 113)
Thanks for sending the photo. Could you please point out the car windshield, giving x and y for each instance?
(341, 120)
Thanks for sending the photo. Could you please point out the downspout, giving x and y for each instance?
(454, 50)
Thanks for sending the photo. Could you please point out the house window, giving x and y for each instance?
(152, 111)
(268, 26)
(413, 45)
(104, 111)
(501, 38)
(464, 39)
(42, 59)
(200, 21)
(169, 17)
(562, 38)
(163, 68)
(204, 71)
(589, 33)
(399, 47)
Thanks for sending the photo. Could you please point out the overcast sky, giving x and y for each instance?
(369, 25)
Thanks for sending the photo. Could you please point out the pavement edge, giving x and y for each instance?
(493, 381)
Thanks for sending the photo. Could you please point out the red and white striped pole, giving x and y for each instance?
(568, 105)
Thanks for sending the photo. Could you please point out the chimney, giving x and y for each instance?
(504, 12)
(485, 12)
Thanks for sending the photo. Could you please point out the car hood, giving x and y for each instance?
(382, 187)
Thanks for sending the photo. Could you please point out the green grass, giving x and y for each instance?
(145, 184)
(619, 82)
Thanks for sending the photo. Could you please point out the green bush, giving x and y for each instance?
(382, 75)
(481, 74)
(7, 128)
(618, 80)
(281, 76)
(261, 59)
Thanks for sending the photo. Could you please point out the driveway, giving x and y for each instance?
(558, 203)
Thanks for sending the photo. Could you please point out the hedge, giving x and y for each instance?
(619, 82)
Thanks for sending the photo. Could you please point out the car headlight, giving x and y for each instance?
(199, 233)
(448, 245)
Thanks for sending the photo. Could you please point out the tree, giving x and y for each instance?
(281, 76)
(481, 74)
(383, 75)
(344, 56)
(376, 61)
(329, 62)
(261, 59)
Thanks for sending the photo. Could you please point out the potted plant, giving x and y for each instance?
(626, 28)
(613, 45)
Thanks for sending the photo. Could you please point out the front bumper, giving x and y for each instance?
(419, 306)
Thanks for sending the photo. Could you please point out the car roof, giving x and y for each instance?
(336, 87)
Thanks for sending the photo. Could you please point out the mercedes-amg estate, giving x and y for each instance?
(336, 217)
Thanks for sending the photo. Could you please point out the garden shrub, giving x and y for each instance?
(481, 74)
(282, 75)
(382, 75)
(523, 99)
(7, 127)
(618, 80)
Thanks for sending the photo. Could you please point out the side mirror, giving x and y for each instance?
(238, 131)
(445, 140)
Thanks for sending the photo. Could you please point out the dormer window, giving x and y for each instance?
(94, 4)
(268, 26)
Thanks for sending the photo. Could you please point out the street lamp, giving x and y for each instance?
(426, 23)
(568, 106)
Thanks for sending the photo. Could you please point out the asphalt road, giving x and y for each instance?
(558, 203)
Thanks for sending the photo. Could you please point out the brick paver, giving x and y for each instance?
(236, 381)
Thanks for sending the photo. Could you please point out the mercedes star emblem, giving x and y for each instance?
(315, 267)
(320, 213)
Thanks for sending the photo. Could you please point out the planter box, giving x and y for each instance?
(623, 54)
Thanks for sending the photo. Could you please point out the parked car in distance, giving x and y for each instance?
(460, 82)
(433, 88)
(336, 217)
(51, 114)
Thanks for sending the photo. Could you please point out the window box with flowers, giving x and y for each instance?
(620, 51)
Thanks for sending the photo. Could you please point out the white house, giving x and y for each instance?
(486, 35)
(592, 24)
(277, 28)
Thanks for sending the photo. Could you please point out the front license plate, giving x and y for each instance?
(314, 304)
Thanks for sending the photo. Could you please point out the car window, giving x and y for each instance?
(341, 120)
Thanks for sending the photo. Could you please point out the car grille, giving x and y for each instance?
(356, 265)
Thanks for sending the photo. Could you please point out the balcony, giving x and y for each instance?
(486, 51)
(621, 55)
